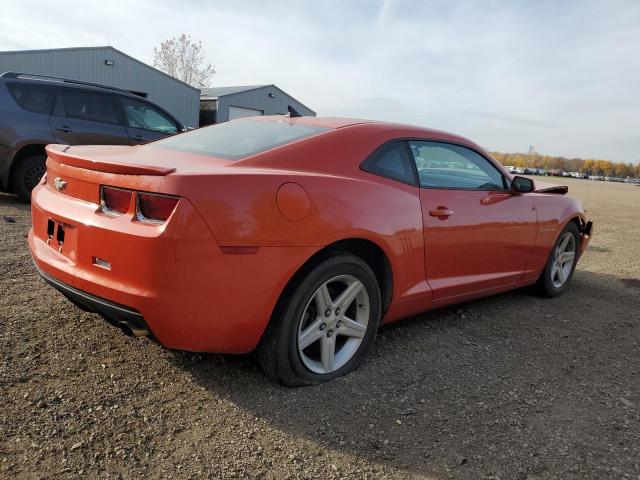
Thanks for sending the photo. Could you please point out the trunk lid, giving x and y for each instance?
(79, 171)
(116, 159)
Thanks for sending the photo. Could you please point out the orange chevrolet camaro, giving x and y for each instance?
(297, 237)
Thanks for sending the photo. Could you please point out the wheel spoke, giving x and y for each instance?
(560, 274)
(567, 257)
(348, 296)
(323, 299)
(328, 352)
(554, 272)
(351, 328)
(563, 244)
(311, 334)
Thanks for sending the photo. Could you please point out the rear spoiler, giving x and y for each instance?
(61, 154)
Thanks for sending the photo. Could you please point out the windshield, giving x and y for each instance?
(239, 138)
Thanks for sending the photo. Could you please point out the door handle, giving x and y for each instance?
(441, 212)
(64, 129)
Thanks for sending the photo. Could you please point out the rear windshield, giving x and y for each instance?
(239, 138)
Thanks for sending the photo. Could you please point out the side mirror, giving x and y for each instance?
(181, 128)
(522, 185)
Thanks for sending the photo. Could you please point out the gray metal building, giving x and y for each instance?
(108, 66)
(226, 103)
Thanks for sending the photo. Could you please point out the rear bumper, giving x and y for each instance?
(190, 294)
(124, 317)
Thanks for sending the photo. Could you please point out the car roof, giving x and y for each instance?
(67, 83)
(79, 85)
(400, 130)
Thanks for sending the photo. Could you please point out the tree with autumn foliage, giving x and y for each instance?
(185, 60)
(589, 166)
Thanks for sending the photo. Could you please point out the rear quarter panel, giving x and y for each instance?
(239, 203)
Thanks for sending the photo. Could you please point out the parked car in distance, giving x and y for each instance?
(295, 236)
(37, 110)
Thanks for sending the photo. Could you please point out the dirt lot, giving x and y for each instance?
(512, 386)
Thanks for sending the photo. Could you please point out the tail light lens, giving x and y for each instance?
(115, 201)
(155, 208)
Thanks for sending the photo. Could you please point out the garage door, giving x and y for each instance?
(239, 112)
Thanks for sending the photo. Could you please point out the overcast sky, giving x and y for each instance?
(562, 76)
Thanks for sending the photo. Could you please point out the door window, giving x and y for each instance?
(443, 165)
(86, 105)
(145, 116)
(391, 160)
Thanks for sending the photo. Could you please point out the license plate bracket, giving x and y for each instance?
(57, 233)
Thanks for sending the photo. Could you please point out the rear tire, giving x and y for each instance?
(557, 272)
(27, 174)
(325, 325)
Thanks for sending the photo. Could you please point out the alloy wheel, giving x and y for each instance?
(333, 324)
(564, 257)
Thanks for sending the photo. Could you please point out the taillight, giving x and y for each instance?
(115, 200)
(155, 208)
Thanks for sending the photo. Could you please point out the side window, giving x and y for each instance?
(86, 105)
(142, 115)
(391, 160)
(34, 98)
(442, 165)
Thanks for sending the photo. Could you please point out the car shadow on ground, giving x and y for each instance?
(11, 200)
(509, 385)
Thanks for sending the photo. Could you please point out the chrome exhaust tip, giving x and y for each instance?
(132, 329)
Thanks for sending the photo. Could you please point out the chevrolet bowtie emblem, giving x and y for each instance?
(59, 183)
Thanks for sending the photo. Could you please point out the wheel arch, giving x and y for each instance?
(367, 250)
(372, 254)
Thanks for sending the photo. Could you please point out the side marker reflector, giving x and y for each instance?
(102, 263)
(239, 250)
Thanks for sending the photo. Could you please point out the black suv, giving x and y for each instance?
(36, 110)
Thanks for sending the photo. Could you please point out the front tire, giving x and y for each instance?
(324, 326)
(27, 174)
(561, 264)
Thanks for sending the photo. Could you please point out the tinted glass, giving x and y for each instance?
(34, 98)
(97, 107)
(239, 138)
(392, 161)
(441, 165)
(142, 115)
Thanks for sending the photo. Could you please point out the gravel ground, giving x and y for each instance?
(510, 387)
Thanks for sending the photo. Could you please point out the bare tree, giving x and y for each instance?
(184, 59)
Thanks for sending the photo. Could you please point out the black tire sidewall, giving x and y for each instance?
(288, 348)
(21, 170)
(549, 289)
